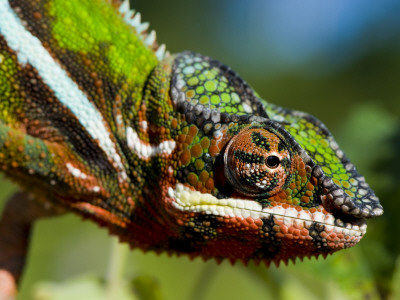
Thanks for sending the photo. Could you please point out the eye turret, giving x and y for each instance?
(257, 162)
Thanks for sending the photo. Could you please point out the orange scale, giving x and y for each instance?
(282, 195)
(302, 173)
(324, 235)
(238, 219)
(305, 199)
(258, 222)
(180, 222)
(188, 139)
(185, 157)
(296, 232)
(309, 193)
(209, 184)
(203, 176)
(304, 232)
(313, 180)
(192, 179)
(213, 150)
(280, 235)
(253, 226)
(313, 210)
(285, 205)
(289, 236)
(220, 144)
(196, 151)
(250, 220)
(181, 138)
(199, 186)
(193, 130)
(174, 123)
(244, 222)
(284, 229)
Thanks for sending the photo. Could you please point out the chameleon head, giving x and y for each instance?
(254, 180)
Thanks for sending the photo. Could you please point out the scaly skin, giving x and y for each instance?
(171, 153)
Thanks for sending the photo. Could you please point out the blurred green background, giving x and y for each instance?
(338, 60)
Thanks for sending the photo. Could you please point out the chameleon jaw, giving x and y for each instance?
(290, 223)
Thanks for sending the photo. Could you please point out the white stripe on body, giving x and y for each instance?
(144, 150)
(30, 50)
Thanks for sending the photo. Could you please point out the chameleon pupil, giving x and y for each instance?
(272, 161)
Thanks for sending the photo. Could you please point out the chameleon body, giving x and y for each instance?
(171, 153)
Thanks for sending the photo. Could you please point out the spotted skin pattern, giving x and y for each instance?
(171, 153)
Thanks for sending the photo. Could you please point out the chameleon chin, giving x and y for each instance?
(170, 152)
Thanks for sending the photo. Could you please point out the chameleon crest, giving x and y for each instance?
(171, 153)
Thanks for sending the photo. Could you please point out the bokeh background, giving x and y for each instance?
(340, 61)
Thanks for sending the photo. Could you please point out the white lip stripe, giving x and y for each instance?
(144, 150)
(194, 201)
(30, 50)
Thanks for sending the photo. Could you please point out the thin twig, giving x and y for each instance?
(202, 285)
(116, 268)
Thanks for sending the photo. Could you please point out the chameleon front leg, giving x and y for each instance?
(19, 214)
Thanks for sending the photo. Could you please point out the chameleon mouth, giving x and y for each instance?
(193, 201)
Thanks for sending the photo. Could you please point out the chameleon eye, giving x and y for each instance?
(257, 162)
(272, 161)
